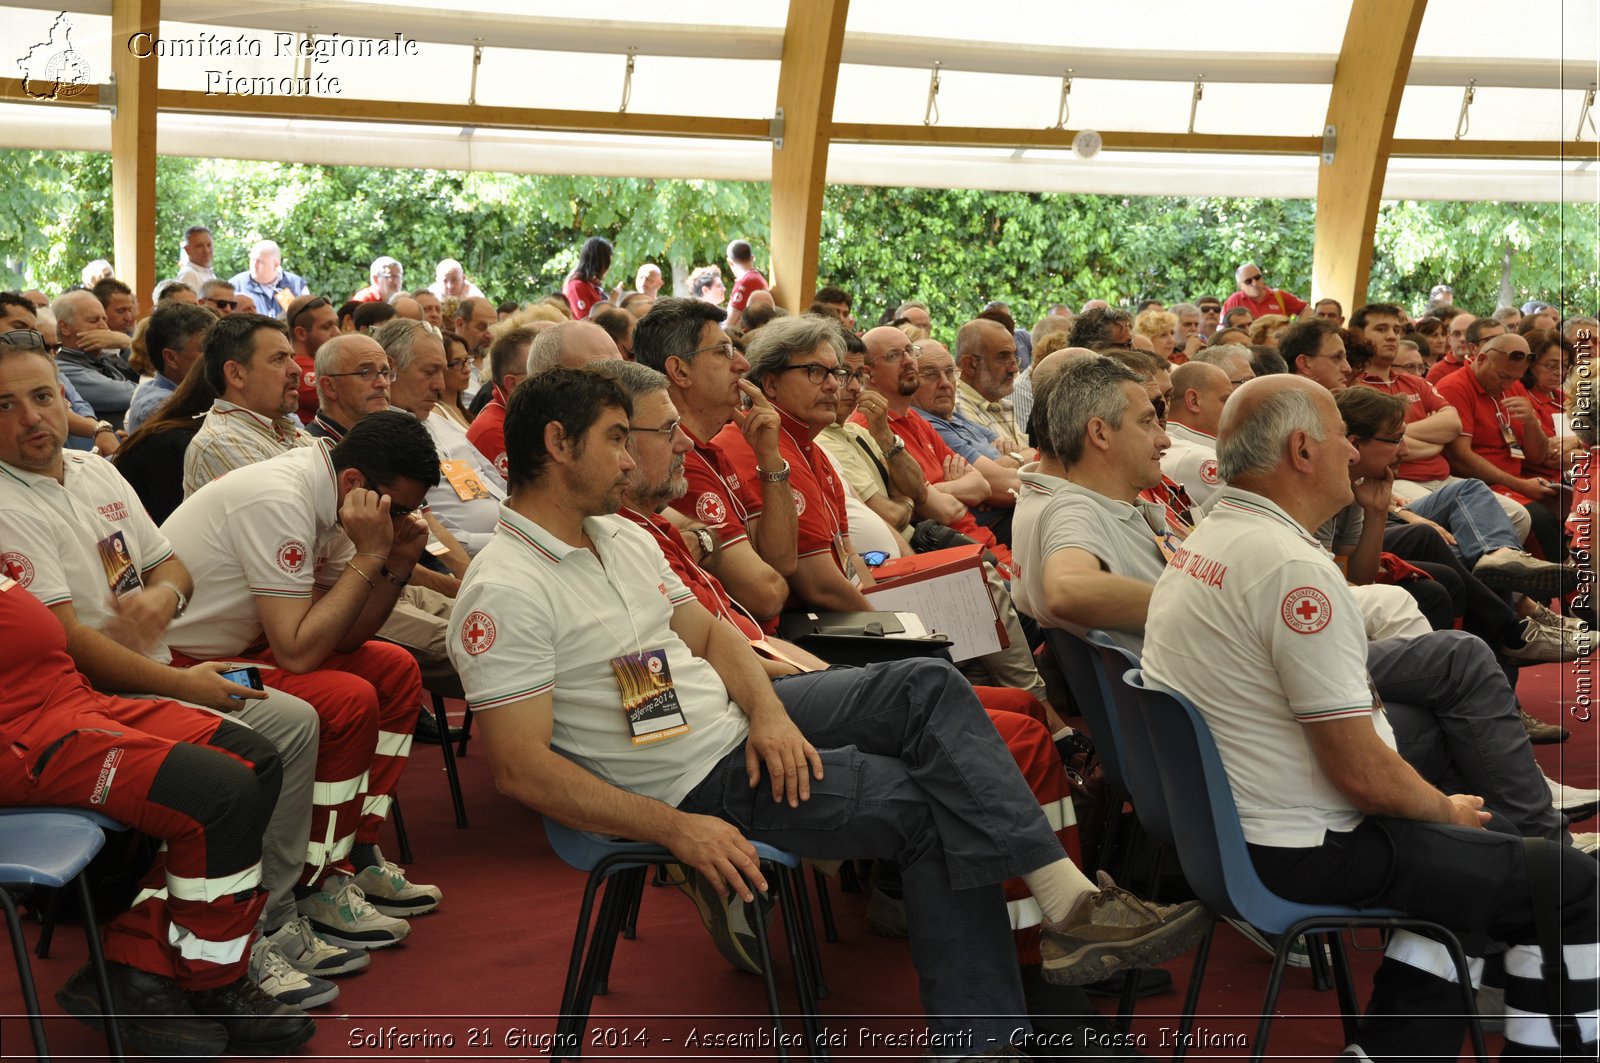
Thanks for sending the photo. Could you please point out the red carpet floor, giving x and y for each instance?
(480, 977)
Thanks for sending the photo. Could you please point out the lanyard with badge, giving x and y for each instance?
(116, 559)
(1507, 433)
(464, 479)
(649, 700)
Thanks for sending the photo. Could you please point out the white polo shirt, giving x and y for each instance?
(1255, 624)
(1192, 461)
(535, 615)
(271, 530)
(1054, 514)
(50, 535)
(470, 520)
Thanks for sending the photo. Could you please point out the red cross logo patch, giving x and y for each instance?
(1306, 610)
(477, 632)
(709, 508)
(799, 502)
(292, 556)
(17, 567)
(1208, 471)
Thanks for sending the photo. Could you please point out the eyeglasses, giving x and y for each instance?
(455, 365)
(1393, 442)
(817, 373)
(369, 373)
(229, 303)
(947, 373)
(1211, 308)
(1342, 356)
(1252, 280)
(395, 511)
(1160, 404)
(314, 304)
(666, 431)
(26, 338)
(894, 354)
(861, 376)
(725, 348)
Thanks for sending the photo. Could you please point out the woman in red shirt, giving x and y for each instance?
(583, 290)
(1548, 366)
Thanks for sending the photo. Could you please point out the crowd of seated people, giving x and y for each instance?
(360, 499)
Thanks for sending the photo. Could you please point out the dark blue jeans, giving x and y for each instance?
(913, 771)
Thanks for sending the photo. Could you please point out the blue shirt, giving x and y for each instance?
(265, 296)
(967, 438)
(151, 392)
(78, 406)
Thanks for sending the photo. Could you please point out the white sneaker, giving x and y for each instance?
(340, 912)
(389, 891)
(1571, 798)
(278, 978)
(310, 954)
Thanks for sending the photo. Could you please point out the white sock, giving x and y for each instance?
(1057, 887)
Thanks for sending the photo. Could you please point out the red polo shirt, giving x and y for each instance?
(739, 297)
(307, 388)
(924, 443)
(582, 297)
(1443, 367)
(714, 497)
(1482, 416)
(708, 590)
(1422, 399)
(1548, 407)
(818, 494)
(487, 431)
(1275, 302)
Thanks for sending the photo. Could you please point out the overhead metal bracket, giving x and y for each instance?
(1330, 142)
(1194, 101)
(1586, 115)
(930, 115)
(627, 81)
(477, 61)
(1463, 120)
(108, 95)
(1064, 110)
(310, 50)
(775, 130)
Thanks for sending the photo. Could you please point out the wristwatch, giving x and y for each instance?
(183, 603)
(398, 581)
(774, 477)
(104, 426)
(899, 445)
(707, 540)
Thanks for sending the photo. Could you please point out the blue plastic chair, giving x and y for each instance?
(1078, 666)
(1211, 847)
(51, 847)
(620, 866)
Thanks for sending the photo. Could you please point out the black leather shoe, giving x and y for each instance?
(256, 1024)
(153, 1014)
(428, 729)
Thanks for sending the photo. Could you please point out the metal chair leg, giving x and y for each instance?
(443, 721)
(569, 991)
(30, 993)
(102, 977)
(47, 924)
(400, 835)
(808, 939)
(830, 929)
(764, 957)
(1191, 999)
(630, 925)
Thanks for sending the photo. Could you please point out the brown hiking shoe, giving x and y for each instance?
(1108, 931)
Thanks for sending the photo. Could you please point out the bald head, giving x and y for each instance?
(1199, 392)
(572, 345)
(344, 349)
(407, 307)
(1281, 436)
(1044, 374)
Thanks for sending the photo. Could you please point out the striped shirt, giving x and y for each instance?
(233, 437)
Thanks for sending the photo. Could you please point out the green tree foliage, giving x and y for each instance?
(518, 235)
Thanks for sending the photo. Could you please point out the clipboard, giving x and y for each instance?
(948, 591)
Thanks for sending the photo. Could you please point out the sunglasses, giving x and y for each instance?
(315, 304)
(395, 511)
(1252, 280)
(26, 338)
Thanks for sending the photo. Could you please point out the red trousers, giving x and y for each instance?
(367, 703)
(1019, 717)
(202, 783)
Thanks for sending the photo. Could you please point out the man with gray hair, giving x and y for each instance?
(90, 355)
(1260, 300)
(1231, 358)
(751, 550)
(1100, 328)
(387, 276)
(1189, 340)
(470, 489)
(197, 254)
(172, 341)
(220, 296)
(1330, 811)
(266, 283)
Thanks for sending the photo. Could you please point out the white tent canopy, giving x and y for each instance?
(1264, 90)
